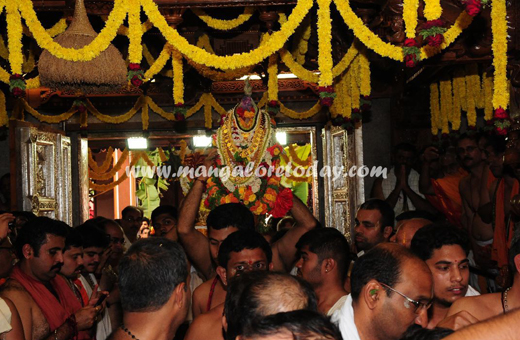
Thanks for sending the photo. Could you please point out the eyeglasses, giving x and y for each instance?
(418, 305)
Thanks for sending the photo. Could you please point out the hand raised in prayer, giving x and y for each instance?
(430, 154)
(402, 177)
(458, 320)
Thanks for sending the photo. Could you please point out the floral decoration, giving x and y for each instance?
(17, 85)
(433, 32)
(412, 52)
(135, 75)
(327, 95)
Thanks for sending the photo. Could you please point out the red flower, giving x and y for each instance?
(136, 81)
(500, 113)
(411, 43)
(327, 89)
(179, 117)
(18, 92)
(134, 67)
(284, 203)
(409, 60)
(432, 23)
(15, 77)
(435, 40)
(489, 122)
(81, 108)
(473, 7)
(240, 111)
(206, 203)
(502, 132)
(327, 101)
(179, 104)
(273, 103)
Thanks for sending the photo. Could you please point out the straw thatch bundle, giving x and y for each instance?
(103, 74)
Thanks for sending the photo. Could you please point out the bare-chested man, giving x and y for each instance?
(222, 221)
(48, 307)
(486, 306)
(471, 192)
(242, 251)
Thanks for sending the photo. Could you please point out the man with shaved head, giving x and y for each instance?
(259, 294)
(407, 225)
(391, 290)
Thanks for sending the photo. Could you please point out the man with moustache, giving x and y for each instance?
(131, 221)
(48, 308)
(445, 250)
(73, 265)
(324, 262)
(95, 256)
(374, 225)
(391, 290)
(473, 191)
(241, 252)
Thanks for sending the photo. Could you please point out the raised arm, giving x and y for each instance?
(284, 250)
(195, 244)
(504, 327)
(425, 185)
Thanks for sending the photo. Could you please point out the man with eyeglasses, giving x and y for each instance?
(131, 221)
(391, 290)
(445, 250)
(242, 251)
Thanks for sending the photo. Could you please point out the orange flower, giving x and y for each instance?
(273, 181)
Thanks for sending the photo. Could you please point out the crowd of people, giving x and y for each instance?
(427, 261)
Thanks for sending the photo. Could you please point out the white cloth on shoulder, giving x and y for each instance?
(344, 318)
(5, 317)
(104, 326)
(472, 291)
(337, 305)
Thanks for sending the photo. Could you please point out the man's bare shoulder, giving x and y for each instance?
(207, 325)
(203, 290)
(13, 289)
(482, 307)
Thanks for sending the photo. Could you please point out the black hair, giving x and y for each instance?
(286, 293)
(386, 211)
(29, 215)
(328, 243)
(146, 219)
(497, 143)
(73, 239)
(405, 147)
(240, 240)
(34, 233)
(130, 208)
(164, 209)
(416, 332)
(93, 235)
(301, 324)
(408, 215)
(382, 263)
(231, 215)
(474, 137)
(435, 236)
(153, 262)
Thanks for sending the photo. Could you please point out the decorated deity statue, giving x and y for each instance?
(248, 162)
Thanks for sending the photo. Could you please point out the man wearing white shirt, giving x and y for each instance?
(391, 290)
(445, 250)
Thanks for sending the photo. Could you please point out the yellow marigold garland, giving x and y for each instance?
(46, 118)
(117, 119)
(471, 112)
(14, 36)
(4, 52)
(274, 43)
(86, 53)
(324, 45)
(303, 42)
(432, 9)
(456, 107)
(135, 32)
(101, 176)
(158, 64)
(434, 107)
(106, 162)
(4, 120)
(29, 63)
(300, 115)
(499, 46)
(487, 80)
(365, 88)
(178, 79)
(145, 116)
(459, 77)
(272, 71)
(446, 106)
(354, 83)
(224, 25)
(410, 8)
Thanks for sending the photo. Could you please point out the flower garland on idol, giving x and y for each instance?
(244, 141)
